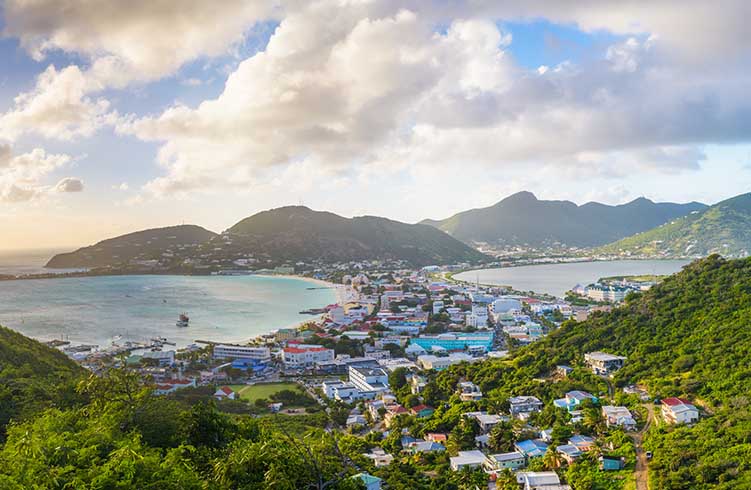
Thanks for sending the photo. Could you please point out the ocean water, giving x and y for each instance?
(17, 262)
(98, 309)
(556, 279)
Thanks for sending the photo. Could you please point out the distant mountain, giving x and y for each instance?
(142, 245)
(297, 233)
(522, 219)
(724, 228)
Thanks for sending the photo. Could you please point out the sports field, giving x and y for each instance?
(262, 390)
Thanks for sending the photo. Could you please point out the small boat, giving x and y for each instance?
(183, 320)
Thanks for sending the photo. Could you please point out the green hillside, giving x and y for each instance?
(32, 377)
(724, 228)
(297, 233)
(688, 337)
(522, 219)
(141, 245)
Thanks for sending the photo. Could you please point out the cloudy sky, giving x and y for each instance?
(141, 113)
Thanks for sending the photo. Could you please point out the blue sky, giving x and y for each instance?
(357, 109)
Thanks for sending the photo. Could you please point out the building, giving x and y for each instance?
(573, 399)
(285, 334)
(226, 351)
(224, 393)
(582, 442)
(455, 341)
(306, 356)
(369, 379)
(611, 463)
(618, 417)
(610, 294)
(503, 461)
(380, 457)
(469, 392)
(467, 459)
(603, 363)
(531, 448)
(173, 385)
(522, 406)
(422, 411)
(485, 420)
(163, 358)
(679, 411)
(438, 363)
(371, 482)
(541, 480)
(568, 452)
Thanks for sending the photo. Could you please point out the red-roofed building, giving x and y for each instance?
(173, 385)
(224, 393)
(305, 356)
(679, 411)
(436, 437)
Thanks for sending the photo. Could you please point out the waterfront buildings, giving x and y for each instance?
(306, 356)
(227, 351)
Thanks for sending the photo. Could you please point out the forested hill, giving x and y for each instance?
(724, 228)
(32, 377)
(143, 245)
(298, 233)
(690, 336)
(522, 219)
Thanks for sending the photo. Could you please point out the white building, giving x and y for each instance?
(369, 379)
(164, 358)
(469, 392)
(618, 417)
(603, 363)
(435, 362)
(224, 351)
(540, 480)
(306, 356)
(467, 459)
(679, 411)
(437, 306)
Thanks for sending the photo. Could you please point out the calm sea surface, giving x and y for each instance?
(97, 309)
(556, 279)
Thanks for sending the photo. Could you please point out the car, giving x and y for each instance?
(649, 454)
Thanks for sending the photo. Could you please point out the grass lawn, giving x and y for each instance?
(262, 390)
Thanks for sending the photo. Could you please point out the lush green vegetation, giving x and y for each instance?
(686, 337)
(724, 228)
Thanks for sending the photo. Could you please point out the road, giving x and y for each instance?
(641, 469)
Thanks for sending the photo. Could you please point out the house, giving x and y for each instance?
(618, 417)
(469, 392)
(563, 370)
(573, 399)
(568, 452)
(417, 384)
(611, 463)
(224, 393)
(422, 411)
(380, 457)
(679, 411)
(499, 462)
(583, 443)
(371, 482)
(487, 421)
(356, 419)
(523, 406)
(467, 459)
(603, 363)
(531, 448)
(392, 413)
(540, 480)
(173, 385)
(436, 437)
(425, 447)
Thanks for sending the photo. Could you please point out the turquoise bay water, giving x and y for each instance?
(556, 279)
(96, 309)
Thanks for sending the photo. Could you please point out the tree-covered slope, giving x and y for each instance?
(522, 219)
(141, 245)
(297, 233)
(724, 228)
(690, 336)
(32, 377)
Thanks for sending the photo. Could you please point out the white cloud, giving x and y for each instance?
(69, 184)
(57, 107)
(21, 176)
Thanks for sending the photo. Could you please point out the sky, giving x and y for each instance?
(147, 113)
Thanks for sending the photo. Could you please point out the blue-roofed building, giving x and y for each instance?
(611, 463)
(531, 448)
(573, 399)
(584, 443)
(569, 452)
(455, 341)
(371, 482)
(245, 364)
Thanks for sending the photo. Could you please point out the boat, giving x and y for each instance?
(183, 320)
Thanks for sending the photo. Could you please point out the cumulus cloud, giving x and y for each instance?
(21, 176)
(132, 39)
(69, 184)
(57, 107)
(351, 85)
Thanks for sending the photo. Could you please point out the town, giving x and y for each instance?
(372, 360)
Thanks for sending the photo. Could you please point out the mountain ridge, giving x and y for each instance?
(523, 219)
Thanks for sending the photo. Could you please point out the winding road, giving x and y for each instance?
(641, 469)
